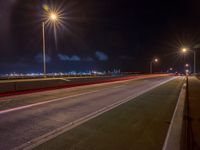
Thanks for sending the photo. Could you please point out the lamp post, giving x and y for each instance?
(44, 49)
(151, 64)
(52, 17)
(185, 50)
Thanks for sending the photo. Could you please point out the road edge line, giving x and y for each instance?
(173, 138)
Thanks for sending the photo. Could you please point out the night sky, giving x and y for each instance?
(99, 35)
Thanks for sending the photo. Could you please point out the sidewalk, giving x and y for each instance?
(194, 113)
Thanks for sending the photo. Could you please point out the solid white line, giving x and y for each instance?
(173, 138)
(50, 101)
(45, 102)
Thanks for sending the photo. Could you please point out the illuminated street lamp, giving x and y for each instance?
(185, 50)
(53, 17)
(186, 65)
(187, 71)
(151, 64)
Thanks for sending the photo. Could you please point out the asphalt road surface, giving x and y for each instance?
(22, 124)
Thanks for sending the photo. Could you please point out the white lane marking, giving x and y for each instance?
(50, 101)
(41, 103)
(67, 80)
(41, 139)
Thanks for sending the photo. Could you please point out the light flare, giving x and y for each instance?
(54, 16)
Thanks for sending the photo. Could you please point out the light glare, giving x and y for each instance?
(53, 16)
(156, 60)
(184, 50)
(186, 65)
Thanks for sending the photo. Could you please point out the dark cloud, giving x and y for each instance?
(101, 56)
(64, 57)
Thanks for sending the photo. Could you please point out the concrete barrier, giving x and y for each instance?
(21, 86)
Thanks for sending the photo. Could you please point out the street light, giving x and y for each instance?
(151, 64)
(53, 17)
(185, 50)
(188, 67)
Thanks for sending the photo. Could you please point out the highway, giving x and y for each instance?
(22, 123)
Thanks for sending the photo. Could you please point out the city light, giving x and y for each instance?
(156, 60)
(187, 71)
(53, 17)
(184, 50)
